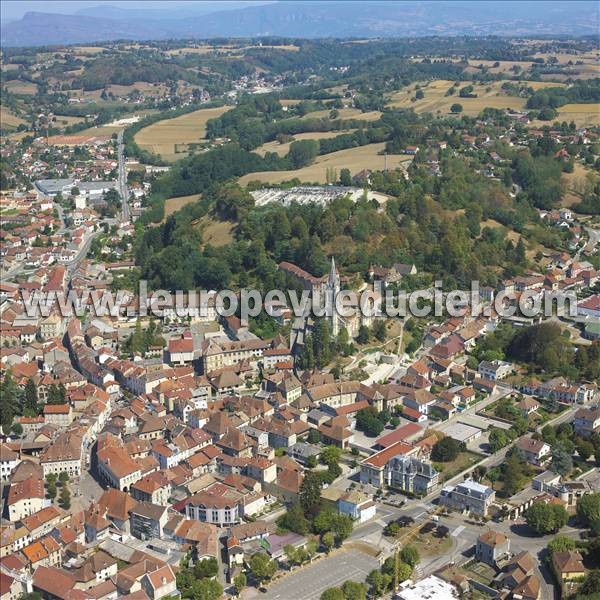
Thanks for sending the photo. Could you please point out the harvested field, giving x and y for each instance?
(164, 136)
(174, 204)
(355, 159)
(283, 149)
(435, 99)
(9, 119)
(345, 113)
(21, 87)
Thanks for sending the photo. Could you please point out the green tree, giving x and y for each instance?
(63, 477)
(331, 454)
(294, 520)
(498, 439)
(562, 462)
(291, 554)
(207, 567)
(410, 555)
(240, 581)
(546, 518)
(51, 490)
(8, 402)
(561, 543)
(404, 572)
(207, 589)
(588, 510)
(445, 449)
(31, 397)
(585, 449)
(367, 421)
(262, 567)
(376, 583)
(345, 177)
(56, 394)
(302, 153)
(332, 594)
(354, 590)
(456, 108)
(549, 434)
(590, 586)
(379, 330)
(364, 335)
(65, 498)
(328, 541)
(310, 494)
(513, 471)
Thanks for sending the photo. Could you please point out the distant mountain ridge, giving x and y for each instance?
(307, 20)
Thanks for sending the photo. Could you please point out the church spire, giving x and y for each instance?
(333, 289)
(333, 274)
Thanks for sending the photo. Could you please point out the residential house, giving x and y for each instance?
(494, 370)
(468, 496)
(491, 547)
(536, 452)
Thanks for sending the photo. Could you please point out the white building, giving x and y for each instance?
(494, 370)
(431, 588)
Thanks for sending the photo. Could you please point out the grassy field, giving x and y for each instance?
(21, 87)
(88, 49)
(345, 113)
(575, 183)
(435, 100)
(540, 85)
(215, 232)
(355, 159)
(283, 149)
(100, 130)
(503, 67)
(583, 114)
(463, 461)
(65, 121)
(163, 136)
(429, 544)
(228, 48)
(174, 204)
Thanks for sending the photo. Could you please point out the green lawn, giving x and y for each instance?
(429, 545)
(463, 461)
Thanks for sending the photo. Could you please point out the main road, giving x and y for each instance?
(126, 214)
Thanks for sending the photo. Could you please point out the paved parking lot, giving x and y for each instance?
(309, 583)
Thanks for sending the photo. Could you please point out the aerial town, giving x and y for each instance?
(161, 451)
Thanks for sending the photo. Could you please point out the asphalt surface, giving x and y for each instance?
(126, 214)
(308, 583)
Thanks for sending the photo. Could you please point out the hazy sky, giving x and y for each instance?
(14, 9)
